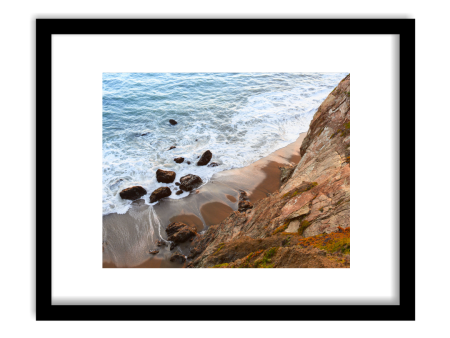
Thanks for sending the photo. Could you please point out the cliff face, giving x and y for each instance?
(306, 223)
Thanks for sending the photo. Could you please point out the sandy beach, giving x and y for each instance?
(128, 237)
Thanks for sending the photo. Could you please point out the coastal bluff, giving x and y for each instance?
(306, 224)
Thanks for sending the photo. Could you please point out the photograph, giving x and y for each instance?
(226, 170)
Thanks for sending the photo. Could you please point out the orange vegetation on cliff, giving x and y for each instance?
(334, 242)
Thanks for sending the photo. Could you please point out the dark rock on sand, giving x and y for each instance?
(160, 243)
(160, 193)
(244, 206)
(145, 134)
(133, 193)
(173, 122)
(179, 159)
(179, 192)
(188, 162)
(172, 246)
(206, 157)
(177, 184)
(153, 252)
(213, 164)
(172, 147)
(165, 176)
(177, 257)
(243, 195)
(190, 182)
(179, 232)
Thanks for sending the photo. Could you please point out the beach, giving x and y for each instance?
(127, 238)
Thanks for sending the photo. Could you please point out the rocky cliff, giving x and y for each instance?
(306, 223)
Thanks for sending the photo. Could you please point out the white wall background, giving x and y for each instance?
(17, 312)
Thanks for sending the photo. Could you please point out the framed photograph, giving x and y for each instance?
(211, 158)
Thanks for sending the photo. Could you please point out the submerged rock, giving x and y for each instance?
(213, 164)
(173, 122)
(138, 202)
(206, 157)
(179, 159)
(177, 257)
(160, 193)
(172, 147)
(144, 134)
(179, 232)
(244, 206)
(133, 193)
(190, 182)
(165, 176)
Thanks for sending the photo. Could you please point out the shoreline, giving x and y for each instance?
(128, 237)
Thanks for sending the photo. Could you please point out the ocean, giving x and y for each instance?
(239, 117)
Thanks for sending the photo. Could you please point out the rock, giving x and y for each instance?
(179, 232)
(145, 134)
(244, 205)
(196, 140)
(188, 162)
(213, 164)
(206, 157)
(177, 184)
(153, 252)
(172, 246)
(160, 243)
(133, 193)
(172, 147)
(173, 122)
(160, 193)
(190, 182)
(286, 172)
(177, 257)
(179, 192)
(243, 195)
(165, 176)
(179, 159)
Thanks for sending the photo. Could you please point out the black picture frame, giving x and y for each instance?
(45, 28)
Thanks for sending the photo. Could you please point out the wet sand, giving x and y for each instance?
(127, 238)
